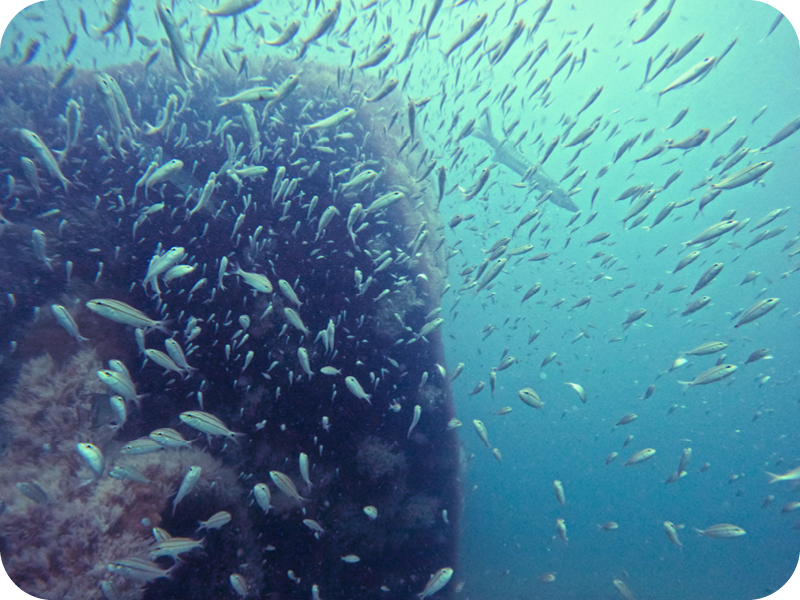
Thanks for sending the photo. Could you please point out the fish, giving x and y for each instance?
(712, 232)
(744, 176)
(258, 282)
(286, 485)
(438, 580)
(120, 312)
(623, 589)
(696, 305)
(629, 418)
(792, 475)
(715, 373)
(164, 173)
(355, 388)
(633, 317)
(480, 428)
(578, 390)
(141, 446)
(289, 292)
(294, 318)
(121, 384)
(699, 70)
(176, 44)
(758, 310)
(505, 45)
(530, 397)
(415, 419)
(470, 29)
(139, 569)
(284, 89)
(721, 531)
(166, 122)
(92, 455)
(707, 348)
(640, 456)
(169, 438)
(561, 528)
(286, 35)
(255, 94)
(558, 488)
(376, 57)
(383, 202)
(239, 584)
(304, 473)
(325, 24)
(313, 526)
(67, 322)
(230, 8)
(515, 161)
(387, 88)
(175, 546)
(117, 14)
(660, 20)
(187, 485)
(45, 156)
(783, 133)
(210, 425)
(760, 354)
(351, 559)
(263, 497)
(33, 491)
(692, 141)
(594, 95)
(708, 276)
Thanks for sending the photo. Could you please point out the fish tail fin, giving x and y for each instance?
(685, 385)
(699, 531)
(164, 325)
(772, 477)
(239, 437)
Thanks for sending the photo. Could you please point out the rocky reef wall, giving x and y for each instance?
(361, 453)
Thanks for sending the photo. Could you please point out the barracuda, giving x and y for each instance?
(518, 163)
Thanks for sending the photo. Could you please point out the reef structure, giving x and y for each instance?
(376, 281)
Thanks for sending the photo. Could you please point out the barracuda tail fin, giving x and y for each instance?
(484, 131)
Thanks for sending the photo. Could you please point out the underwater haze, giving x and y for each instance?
(473, 299)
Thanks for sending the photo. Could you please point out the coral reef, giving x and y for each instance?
(59, 548)
(376, 459)
(359, 453)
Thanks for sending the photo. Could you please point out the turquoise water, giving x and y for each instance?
(742, 426)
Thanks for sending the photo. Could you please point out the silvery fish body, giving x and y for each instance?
(507, 155)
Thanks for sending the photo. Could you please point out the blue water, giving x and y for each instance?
(742, 426)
